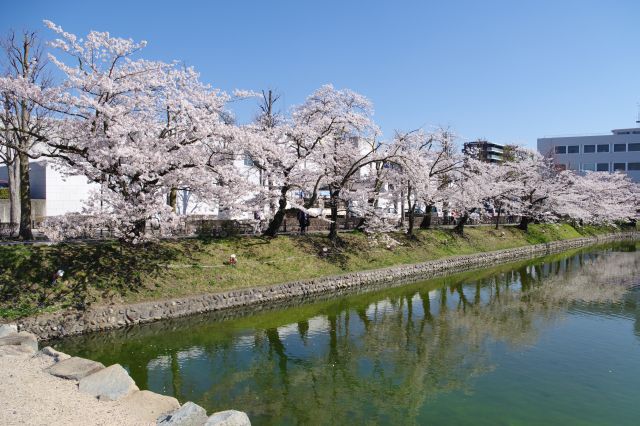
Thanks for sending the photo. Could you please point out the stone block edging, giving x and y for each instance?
(113, 383)
(102, 318)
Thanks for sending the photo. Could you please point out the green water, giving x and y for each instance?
(550, 341)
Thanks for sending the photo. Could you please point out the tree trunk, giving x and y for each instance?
(411, 220)
(524, 223)
(459, 228)
(13, 176)
(25, 199)
(401, 209)
(278, 217)
(140, 227)
(172, 199)
(412, 212)
(333, 229)
(426, 220)
(498, 215)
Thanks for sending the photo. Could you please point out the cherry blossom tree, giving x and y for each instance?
(349, 143)
(427, 159)
(468, 190)
(131, 125)
(599, 198)
(500, 186)
(540, 188)
(324, 143)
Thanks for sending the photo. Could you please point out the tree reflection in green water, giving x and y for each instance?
(369, 358)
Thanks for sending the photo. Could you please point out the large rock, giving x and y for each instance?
(15, 350)
(109, 384)
(229, 418)
(149, 405)
(75, 368)
(56, 355)
(23, 338)
(189, 414)
(6, 329)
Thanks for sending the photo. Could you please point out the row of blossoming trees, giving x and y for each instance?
(142, 130)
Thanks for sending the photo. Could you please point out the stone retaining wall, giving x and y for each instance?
(100, 318)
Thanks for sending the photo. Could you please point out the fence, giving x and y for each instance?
(207, 226)
(482, 220)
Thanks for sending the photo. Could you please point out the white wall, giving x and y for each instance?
(66, 194)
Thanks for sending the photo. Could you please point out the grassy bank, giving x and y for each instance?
(109, 272)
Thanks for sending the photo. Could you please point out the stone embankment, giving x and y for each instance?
(100, 318)
(50, 387)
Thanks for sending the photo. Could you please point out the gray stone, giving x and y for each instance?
(15, 350)
(56, 355)
(109, 384)
(6, 329)
(149, 405)
(189, 414)
(75, 368)
(229, 418)
(20, 339)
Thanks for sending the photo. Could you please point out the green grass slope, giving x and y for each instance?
(109, 272)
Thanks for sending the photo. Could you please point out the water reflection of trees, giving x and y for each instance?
(373, 358)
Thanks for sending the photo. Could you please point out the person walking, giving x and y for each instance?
(303, 220)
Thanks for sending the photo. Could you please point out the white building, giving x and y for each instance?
(619, 151)
(61, 193)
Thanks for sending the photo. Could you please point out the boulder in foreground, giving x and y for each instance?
(150, 405)
(6, 329)
(56, 355)
(189, 414)
(75, 368)
(23, 338)
(109, 384)
(229, 418)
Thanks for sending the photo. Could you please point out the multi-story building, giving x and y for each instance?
(484, 150)
(619, 151)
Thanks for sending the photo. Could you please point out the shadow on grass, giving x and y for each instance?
(91, 271)
(335, 252)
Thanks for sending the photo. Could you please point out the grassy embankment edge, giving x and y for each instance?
(109, 272)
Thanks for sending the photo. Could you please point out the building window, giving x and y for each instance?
(633, 166)
(619, 147)
(588, 167)
(619, 167)
(603, 148)
(634, 147)
(589, 148)
(561, 149)
(602, 167)
(573, 149)
(248, 161)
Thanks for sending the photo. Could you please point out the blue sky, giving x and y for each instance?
(508, 71)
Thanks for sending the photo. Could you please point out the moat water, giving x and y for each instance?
(554, 340)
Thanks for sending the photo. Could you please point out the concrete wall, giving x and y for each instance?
(102, 318)
(38, 208)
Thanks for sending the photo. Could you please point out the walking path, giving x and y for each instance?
(31, 396)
